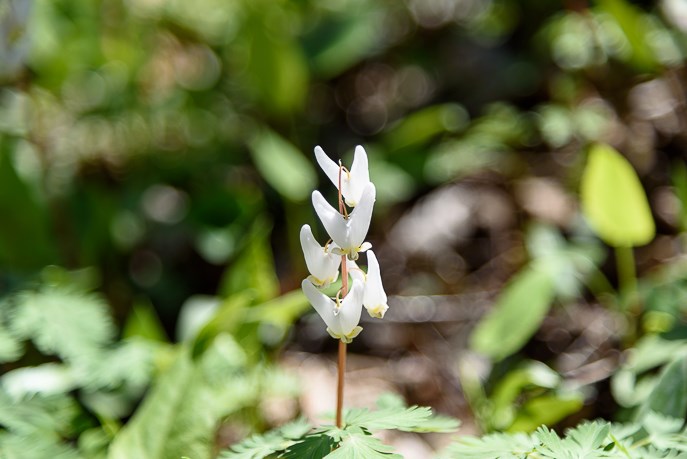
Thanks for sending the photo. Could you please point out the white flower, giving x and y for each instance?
(348, 233)
(322, 265)
(374, 297)
(341, 318)
(353, 182)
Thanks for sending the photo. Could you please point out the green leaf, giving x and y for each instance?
(10, 347)
(144, 322)
(262, 446)
(254, 269)
(180, 413)
(283, 166)
(587, 440)
(634, 26)
(311, 447)
(63, 322)
(518, 312)
(26, 243)
(411, 419)
(501, 446)
(547, 409)
(421, 126)
(613, 200)
(275, 72)
(342, 39)
(35, 446)
(669, 396)
(358, 445)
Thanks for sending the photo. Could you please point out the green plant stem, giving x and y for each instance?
(627, 278)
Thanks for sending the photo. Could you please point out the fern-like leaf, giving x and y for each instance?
(493, 446)
(411, 419)
(62, 321)
(357, 444)
(267, 445)
(311, 447)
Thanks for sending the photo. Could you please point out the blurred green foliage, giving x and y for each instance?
(155, 168)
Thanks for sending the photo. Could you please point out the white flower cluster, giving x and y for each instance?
(347, 232)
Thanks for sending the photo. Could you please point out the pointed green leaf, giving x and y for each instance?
(283, 166)
(516, 316)
(613, 200)
(143, 321)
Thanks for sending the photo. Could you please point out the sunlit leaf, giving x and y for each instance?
(516, 316)
(144, 322)
(254, 270)
(613, 199)
(635, 28)
(179, 415)
(358, 445)
(63, 322)
(547, 409)
(283, 166)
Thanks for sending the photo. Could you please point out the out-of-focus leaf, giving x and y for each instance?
(63, 322)
(679, 178)
(342, 39)
(635, 28)
(669, 396)
(179, 415)
(143, 321)
(424, 124)
(25, 240)
(276, 71)
(614, 201)
(10, 347)
(283, 166)
(228, 318)
(254, 269)
(516, 315)
(281, 311)
(393, 183)
(547, 409)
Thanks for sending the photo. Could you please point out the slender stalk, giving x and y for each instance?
(341, 367)
(627, 277)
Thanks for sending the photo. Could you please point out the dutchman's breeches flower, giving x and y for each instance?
(348, 233)
(341, 317)
(322, 264)
(374, 297)
(353, 182)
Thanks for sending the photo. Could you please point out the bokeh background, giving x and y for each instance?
(158, 154)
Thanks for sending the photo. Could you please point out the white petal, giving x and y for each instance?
(332, 220)
(322, 304)
(323, 266)
(374, 297)
(360, 177)
(330, 168)
(355, 272)
(359, 219)
(351, 307)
